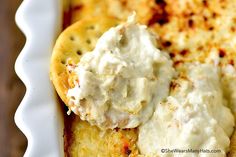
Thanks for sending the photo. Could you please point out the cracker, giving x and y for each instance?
(85, 8)
(82, 139)
(76, 40)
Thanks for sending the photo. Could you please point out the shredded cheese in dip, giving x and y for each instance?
(122, 79)
(194, 116)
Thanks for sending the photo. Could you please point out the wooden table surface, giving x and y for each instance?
(12, 141)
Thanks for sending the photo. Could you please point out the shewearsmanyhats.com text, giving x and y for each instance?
(176, 150)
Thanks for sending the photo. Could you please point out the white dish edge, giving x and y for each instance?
(38, 116)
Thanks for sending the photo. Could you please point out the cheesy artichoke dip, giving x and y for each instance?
(194, 116)
(120, 82)
(175, 90)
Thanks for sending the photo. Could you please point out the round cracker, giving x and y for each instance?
(72, 43)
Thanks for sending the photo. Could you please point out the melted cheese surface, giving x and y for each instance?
(194, 116)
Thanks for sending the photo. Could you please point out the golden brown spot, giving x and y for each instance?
(63, 62)
(72, 38)
(166, 43)
(172, 55)
(73, 98)
(77, 7)
(160, 2)
(159, 18)
(214, 15)
(88, 41)
(200, 48)
(144, 103)
(187, 14)
(191, 14)
(232, 29)
(176, 63)
(160, 15)
(205, 18)
(79, 52)
(83, 102)
(204, 2)
(126, 149)
(184, 52)
(90, 27)
(221, 53)
(174, 85)
(211, 28)
(124, 3)
(123, 40)
(231, 61)
(190, 23)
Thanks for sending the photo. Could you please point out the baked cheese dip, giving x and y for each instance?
(194, 116)
(119, 83)
(135, 93)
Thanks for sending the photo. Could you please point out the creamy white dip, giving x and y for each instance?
(194, 116)
(229, 86)
(122, 79)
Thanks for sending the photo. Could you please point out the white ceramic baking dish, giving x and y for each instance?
(39, 116)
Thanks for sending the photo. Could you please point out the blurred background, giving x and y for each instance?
(12, 141)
